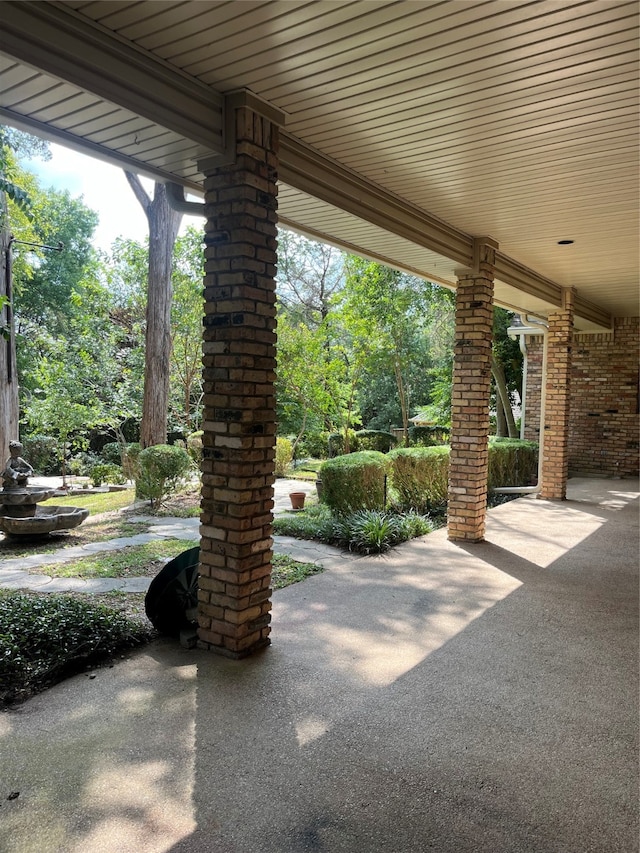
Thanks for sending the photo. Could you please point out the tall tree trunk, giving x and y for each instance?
(9, 409)
(503, 396)
(164, 223)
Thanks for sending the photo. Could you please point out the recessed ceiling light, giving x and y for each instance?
(565, 242)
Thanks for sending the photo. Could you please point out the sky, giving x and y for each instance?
(103, 188)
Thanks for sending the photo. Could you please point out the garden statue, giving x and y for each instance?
(17, 470)
(20, 515)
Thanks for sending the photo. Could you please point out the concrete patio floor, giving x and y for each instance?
(439, 698)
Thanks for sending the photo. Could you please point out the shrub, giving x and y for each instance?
(45, 636)
(194, 447)
(365, 531)
(420, 477)
(162, 470)
(81, 464)
(41, 452)
(375, 439)
(112, 453)
(355, 481)
(512, 462)
(428, 436)
(106, 472)
(284, 455)
(337, 446)
(314, 445)
(130, 465)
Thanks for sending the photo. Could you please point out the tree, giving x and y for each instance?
(12, 190)
(391, 304)
(506, 371)
(164, 223)
(310, 275)
(186, 330)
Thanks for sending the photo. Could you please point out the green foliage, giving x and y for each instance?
(106, 472)
(512, 462)
(163, 468)
(375, 439)
(130, 456)
(286, 571)
(41, 451)
(428, 436)
(112, 453)
(356, 481)
(365, 531)
(314, 445)
(284, 456)
(420, 477)
(194, 447)
(43, 637)
(337, 442)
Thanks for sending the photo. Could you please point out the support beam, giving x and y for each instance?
(61, 42)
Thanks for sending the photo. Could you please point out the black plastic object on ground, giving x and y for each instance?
(172, 597)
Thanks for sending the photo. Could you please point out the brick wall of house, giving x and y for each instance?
(604, 420)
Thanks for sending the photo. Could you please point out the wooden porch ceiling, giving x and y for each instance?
(410, 127)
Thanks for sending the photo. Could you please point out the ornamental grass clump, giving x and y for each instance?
(355, 481)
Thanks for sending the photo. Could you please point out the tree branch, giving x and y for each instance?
(139, 192)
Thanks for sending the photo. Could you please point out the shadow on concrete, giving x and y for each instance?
(438, 698)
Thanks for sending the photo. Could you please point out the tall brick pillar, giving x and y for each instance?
(239, 358)
(555, 458)
(469, 461)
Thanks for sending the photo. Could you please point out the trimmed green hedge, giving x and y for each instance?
(420, 476)
(375, 439)
(355, 481)
(512, 462)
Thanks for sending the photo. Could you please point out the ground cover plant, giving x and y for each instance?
(46, 637)
(364, 531)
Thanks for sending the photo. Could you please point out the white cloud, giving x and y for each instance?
(103, 188)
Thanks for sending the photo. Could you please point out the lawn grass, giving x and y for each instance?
(96, 503)
(287, 571)
(133, 561)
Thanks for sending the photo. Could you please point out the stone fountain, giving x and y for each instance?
(20, 517)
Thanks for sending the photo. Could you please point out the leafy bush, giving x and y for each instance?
(163, 468)
(365, 531)
(41, 452)
(512, 462)
(336, 443)
(284, 455)
(130, 465)
(81, 464)
(355, 481)
(112, 453)
(428, 436)
(375, 439)
(194, 446)
(314, 445)
(43, 637)
(105, 472)
(420, 477)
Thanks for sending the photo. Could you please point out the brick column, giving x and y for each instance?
(555, 457)
(469, 461)
(239, 358)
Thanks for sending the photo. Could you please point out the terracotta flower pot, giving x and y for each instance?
(297, 499)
